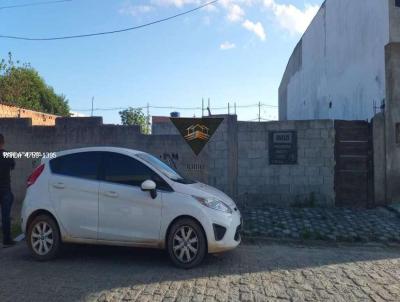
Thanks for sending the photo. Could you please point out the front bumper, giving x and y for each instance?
(231, 238)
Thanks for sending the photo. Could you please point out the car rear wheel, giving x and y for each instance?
(44, 238)
(186, 243)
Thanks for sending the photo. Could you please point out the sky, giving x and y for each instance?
(234, 51)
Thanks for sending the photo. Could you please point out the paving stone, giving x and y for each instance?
(331, 224)
(260, 272)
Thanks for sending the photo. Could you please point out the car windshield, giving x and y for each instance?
(164, 168)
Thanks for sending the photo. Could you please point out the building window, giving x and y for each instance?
(397, 3)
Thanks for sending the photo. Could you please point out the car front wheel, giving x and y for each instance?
(186, 243)
(44, 238)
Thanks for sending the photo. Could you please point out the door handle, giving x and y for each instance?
(112, 194)
(59, 185)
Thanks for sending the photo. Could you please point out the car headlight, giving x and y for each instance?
(214, 203)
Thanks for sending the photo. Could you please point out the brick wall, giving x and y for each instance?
(38, 118)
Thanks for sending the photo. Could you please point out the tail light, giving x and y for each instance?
(35, 175)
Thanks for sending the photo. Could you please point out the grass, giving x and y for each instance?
(306, 234)
(314, 235)
(309, 202)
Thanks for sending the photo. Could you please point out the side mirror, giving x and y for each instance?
(149, 186)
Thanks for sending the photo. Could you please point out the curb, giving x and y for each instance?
(394, 209)
(317, 243)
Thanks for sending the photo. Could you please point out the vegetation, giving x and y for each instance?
(309, 202)
(22, 86)
(134, 116)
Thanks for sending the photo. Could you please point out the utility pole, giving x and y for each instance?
(234, 104)
(259, 111)
(202, 107)
(92, 105)
(208, 107)
(229, 109)
(148, 119)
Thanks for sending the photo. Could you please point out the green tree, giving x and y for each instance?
(134, 116)
(22, 86)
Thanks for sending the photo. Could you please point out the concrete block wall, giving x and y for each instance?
(392, 122)
(235, 160)
(379, 151)
(78, 132)
(217, 162)
(311, 180)
(222, 157)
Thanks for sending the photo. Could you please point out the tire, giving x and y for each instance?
(44, 238)
(184, 237)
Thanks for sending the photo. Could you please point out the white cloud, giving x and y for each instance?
(134, 10)
(235, 13)
(177, 3)
(289, 17)
(210, 8)
(292, 18)
(227, 45)
(256, 28)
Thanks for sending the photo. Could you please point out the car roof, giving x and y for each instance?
(100, 148)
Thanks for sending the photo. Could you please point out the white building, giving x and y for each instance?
(337, 70)
(76, 114)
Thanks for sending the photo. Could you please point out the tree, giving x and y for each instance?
(22, 86)
(134, 116)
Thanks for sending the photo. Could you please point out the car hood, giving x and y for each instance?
(202, 190)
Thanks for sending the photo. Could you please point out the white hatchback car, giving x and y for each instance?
(117, 196)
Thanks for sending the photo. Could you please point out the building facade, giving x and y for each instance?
(337, 70)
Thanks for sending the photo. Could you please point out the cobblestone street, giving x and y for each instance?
(250, 273)
(342, 225)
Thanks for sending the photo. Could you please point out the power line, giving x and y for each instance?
(33, 4)
(174, 108)
(257, 119)
(109, 32)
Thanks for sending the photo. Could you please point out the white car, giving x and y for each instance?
(123, 197)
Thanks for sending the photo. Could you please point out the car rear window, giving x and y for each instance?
(82, 165)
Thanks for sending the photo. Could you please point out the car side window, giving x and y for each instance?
(81, 165)
(125, 170)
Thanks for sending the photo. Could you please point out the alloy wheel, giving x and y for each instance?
(42, 238)
(185, 244)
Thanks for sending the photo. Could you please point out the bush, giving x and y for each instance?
(22, 86)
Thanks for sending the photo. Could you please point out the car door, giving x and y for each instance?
(74, 189)
(126, 213)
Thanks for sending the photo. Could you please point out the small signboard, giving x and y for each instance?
(282, 147)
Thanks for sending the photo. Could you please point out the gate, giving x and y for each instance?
(354, 164)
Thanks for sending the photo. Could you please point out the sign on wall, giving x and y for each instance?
(282, 147)
(197, 131)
